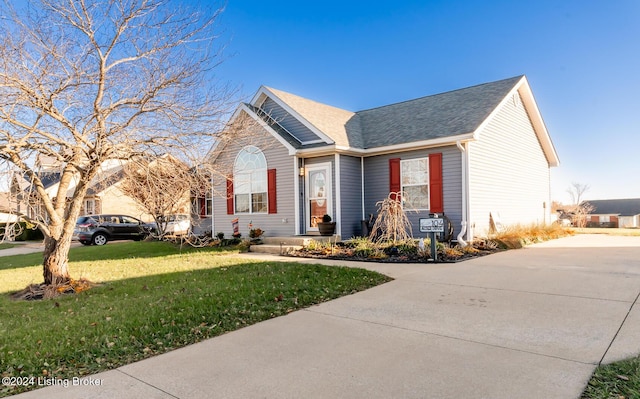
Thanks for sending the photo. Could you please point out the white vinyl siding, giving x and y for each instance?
(508, 172)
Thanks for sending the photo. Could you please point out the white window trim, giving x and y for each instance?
(402, 186)
(87, 206)
(266, 192)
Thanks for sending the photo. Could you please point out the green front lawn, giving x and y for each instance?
(152, 298)
(616, 380)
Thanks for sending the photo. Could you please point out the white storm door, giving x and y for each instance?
(318, 194)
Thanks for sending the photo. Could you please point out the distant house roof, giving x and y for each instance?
(48, 179)
(622, 207)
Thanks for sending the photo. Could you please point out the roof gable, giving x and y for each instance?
(326, 121)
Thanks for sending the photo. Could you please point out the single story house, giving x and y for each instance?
(479, 155)
(614, 213)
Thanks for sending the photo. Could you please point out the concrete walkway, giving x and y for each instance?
(529, 323)
(22, 248)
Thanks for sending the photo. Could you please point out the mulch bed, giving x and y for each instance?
(43, 291)
(344, 253)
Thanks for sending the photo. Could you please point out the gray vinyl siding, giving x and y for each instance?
(293, 125)
(376, 184)
(508, 172)
(281, 223)
(351, 196)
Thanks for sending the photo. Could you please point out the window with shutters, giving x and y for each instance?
(414, 177)
(250, 181)
(203, 205)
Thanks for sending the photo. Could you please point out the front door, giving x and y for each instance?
(318, 194)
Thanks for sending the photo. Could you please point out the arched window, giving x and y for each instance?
(250, 181)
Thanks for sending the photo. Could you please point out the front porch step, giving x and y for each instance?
(298, 240)
(274, 249)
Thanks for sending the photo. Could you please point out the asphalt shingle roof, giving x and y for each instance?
(437, 116)
(623, 207)
(442, 115)
(326, 118)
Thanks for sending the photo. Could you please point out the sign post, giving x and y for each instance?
(432, 225)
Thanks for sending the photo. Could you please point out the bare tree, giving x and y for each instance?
(162, 186)
(576, 191)
(86, 82)
(579, 209)
(580, 212)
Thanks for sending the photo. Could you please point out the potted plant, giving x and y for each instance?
(326, 227)
(255, 234)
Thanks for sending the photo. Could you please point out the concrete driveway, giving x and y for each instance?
(529, 323)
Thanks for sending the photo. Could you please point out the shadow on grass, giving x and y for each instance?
(131, 319)
(111, 251)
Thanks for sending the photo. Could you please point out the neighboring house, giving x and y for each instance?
(614, 213)
(201, 211)
(103, 194)
(477, 154)
(8, 207)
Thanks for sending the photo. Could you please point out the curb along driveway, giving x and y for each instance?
(529, 323)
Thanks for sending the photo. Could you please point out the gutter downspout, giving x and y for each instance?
(362, 184)
(465, 213)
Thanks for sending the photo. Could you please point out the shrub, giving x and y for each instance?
(364, 252)
(409, 247)
(518, 236)
(256, 233)
(454, 252)
(29, 233)
(318, 246)
(392, 224)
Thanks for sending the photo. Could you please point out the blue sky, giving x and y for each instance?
(582, 59)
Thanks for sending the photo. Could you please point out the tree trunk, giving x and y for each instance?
(56, 261)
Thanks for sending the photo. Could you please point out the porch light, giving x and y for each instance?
(301, 171)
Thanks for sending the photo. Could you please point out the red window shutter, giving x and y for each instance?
(271, 191)
(435, 183)
(203, 206)
(394, 175)
(230, 195)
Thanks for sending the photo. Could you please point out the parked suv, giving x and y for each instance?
(99, 229)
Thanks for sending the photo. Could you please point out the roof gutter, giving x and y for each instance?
(367, 152)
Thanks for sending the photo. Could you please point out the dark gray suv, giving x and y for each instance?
(99, 229)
